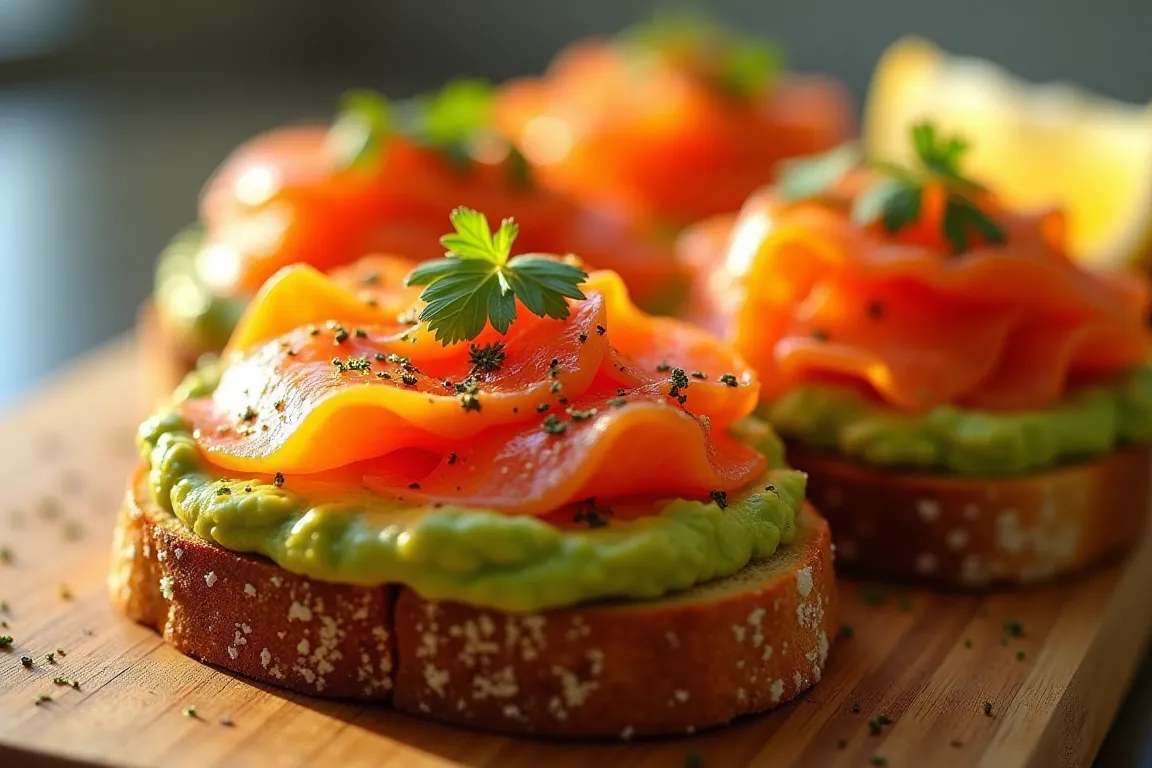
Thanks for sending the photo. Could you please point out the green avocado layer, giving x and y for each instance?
(477, 556)
(1087, 423)
(203, 319)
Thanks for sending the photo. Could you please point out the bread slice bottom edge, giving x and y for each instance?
(686, 661)
(976, 532)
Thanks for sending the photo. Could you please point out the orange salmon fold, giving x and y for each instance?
(281, 199)
(656, 139)
(320, 382)
(806, 295)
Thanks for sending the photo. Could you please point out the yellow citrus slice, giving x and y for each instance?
(1036, 145)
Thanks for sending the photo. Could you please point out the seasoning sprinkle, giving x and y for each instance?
(618, 402)
(556, 387)
(663, 368)
(1014, 628)
(452, 458)
(361, 333)
(729, 379)
(223, 491)
(879, 760)
(987, 709)
(6, 641)
(873, 594)
(50, 657)
(341, 336)
(190, 711)
(582, 338)
(600, 330)
(699, 375)
(578, 415)
(409, 379)
(720, 497)
(26, 661)
(487, 358)
(65, 592)
(43, 699)
(553, 425)
(278, 480)
(1020, 654)
(541, 407)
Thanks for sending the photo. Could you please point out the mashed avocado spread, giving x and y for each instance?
(1088, 422)
(202, 319)
(478, 556)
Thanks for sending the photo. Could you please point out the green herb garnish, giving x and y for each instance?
(476, 283)
(1014, 628)
(720, 497)
(729, 380)
(897, 199)
(988, 709)
(6, 641)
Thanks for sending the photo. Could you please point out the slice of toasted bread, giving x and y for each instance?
(975, 532)
(166, 358)
(695, 659)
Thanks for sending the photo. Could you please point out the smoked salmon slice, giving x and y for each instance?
(607, 402)
(612, 124)
(806, 294)
(282, 199)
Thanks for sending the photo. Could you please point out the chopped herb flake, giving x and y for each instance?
(278, 480)
(487, 358)
(541, 407)
(987, 709)
(663, 368)
(600, 330)
(699, 375)
(578, 415)
(6, 641)
(729, 379)
(553, 425)
(720, 497)
(1014, 628)
(409, 379)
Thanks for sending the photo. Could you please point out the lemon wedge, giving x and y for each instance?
(1036, 145)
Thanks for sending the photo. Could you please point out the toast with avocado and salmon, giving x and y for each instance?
(376, 180)
(675, 119)
(971, 407)
(534, 509)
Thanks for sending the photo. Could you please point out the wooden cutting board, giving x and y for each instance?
(929, 661)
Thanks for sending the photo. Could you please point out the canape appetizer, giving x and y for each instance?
(676, 120)
(971, 406)
(377, 180)
(534, 509)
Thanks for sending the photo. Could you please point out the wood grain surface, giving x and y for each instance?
(928, 661)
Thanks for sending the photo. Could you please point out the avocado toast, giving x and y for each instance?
(539, 511)
(971, 407)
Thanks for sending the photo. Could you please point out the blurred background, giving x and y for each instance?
(114, 112)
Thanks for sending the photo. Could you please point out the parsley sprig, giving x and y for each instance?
(477, 282)
(742, 66)
(896, 200)
(453, 120)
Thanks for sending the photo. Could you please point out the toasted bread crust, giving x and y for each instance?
(697, 659)
(973, 532)
(166, 358)
(247, 615)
